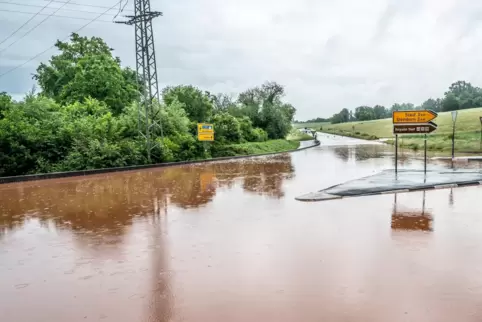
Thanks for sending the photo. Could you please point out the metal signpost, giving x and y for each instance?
(205, 133)
(454, 119)
(481, 133)
(413, 122)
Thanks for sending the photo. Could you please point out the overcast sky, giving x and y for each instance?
(328, 54)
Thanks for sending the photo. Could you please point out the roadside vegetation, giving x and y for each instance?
(373, 122)
(85, 116)
(467, 134)
(461, 95)
(297, 135)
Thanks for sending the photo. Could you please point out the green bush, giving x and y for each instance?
(227, 128)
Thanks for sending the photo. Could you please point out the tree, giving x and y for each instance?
(431, 104)
(450, 103)
(30, 136)
(342, 117)
(227, 127)
(467, 95)
(364, 113)
(395, 107)
(402, 107)
(249, 133)
(315, 120)
(5, 103)
(86, 68)
(92, 74)
(197, 104)
(380, 112)
(266, 110)
(222, 102)
(460, 87)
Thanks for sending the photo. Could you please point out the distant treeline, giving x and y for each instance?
(316, 120)
(460, 95)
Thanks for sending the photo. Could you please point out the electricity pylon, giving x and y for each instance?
(146, 69)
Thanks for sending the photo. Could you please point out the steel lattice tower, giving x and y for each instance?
(146, 69)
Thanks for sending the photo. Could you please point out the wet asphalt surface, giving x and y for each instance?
(227, 241)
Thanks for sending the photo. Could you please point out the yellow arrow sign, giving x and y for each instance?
(205, 136)
(413, 116)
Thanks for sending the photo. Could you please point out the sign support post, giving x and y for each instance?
(425, 155)
(454, 120)
(414, 122)
(481, 133)
(205, 134)
(396, 153)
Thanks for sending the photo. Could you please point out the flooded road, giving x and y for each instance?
(227, 241)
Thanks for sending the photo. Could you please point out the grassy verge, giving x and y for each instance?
(296, 135)
(252, 148)
(465, 142)
(358, 135)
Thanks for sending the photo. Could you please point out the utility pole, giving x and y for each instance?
(146, 69)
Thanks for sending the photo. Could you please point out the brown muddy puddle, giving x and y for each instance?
(228, 242)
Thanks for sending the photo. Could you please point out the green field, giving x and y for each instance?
(467, 135)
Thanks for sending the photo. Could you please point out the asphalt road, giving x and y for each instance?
(228, 242)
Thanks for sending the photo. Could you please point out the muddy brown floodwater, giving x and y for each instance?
(228, 242)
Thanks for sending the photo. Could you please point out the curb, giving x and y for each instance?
(326, 196)
(56, 175)
(464, 159)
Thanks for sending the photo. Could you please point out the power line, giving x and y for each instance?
(121, 9)
(18, 29)
(33, 28)
(88, 5)
(58, 16)
(37, 6)
(53, 46)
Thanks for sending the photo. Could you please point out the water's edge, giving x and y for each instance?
(56, 175)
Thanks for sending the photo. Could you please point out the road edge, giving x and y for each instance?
(57, 175)
(323, 195)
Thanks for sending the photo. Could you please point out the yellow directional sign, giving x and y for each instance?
(205, 132)
(413, 117)
(205, 136)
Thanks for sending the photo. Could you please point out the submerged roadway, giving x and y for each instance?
(227, 241)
